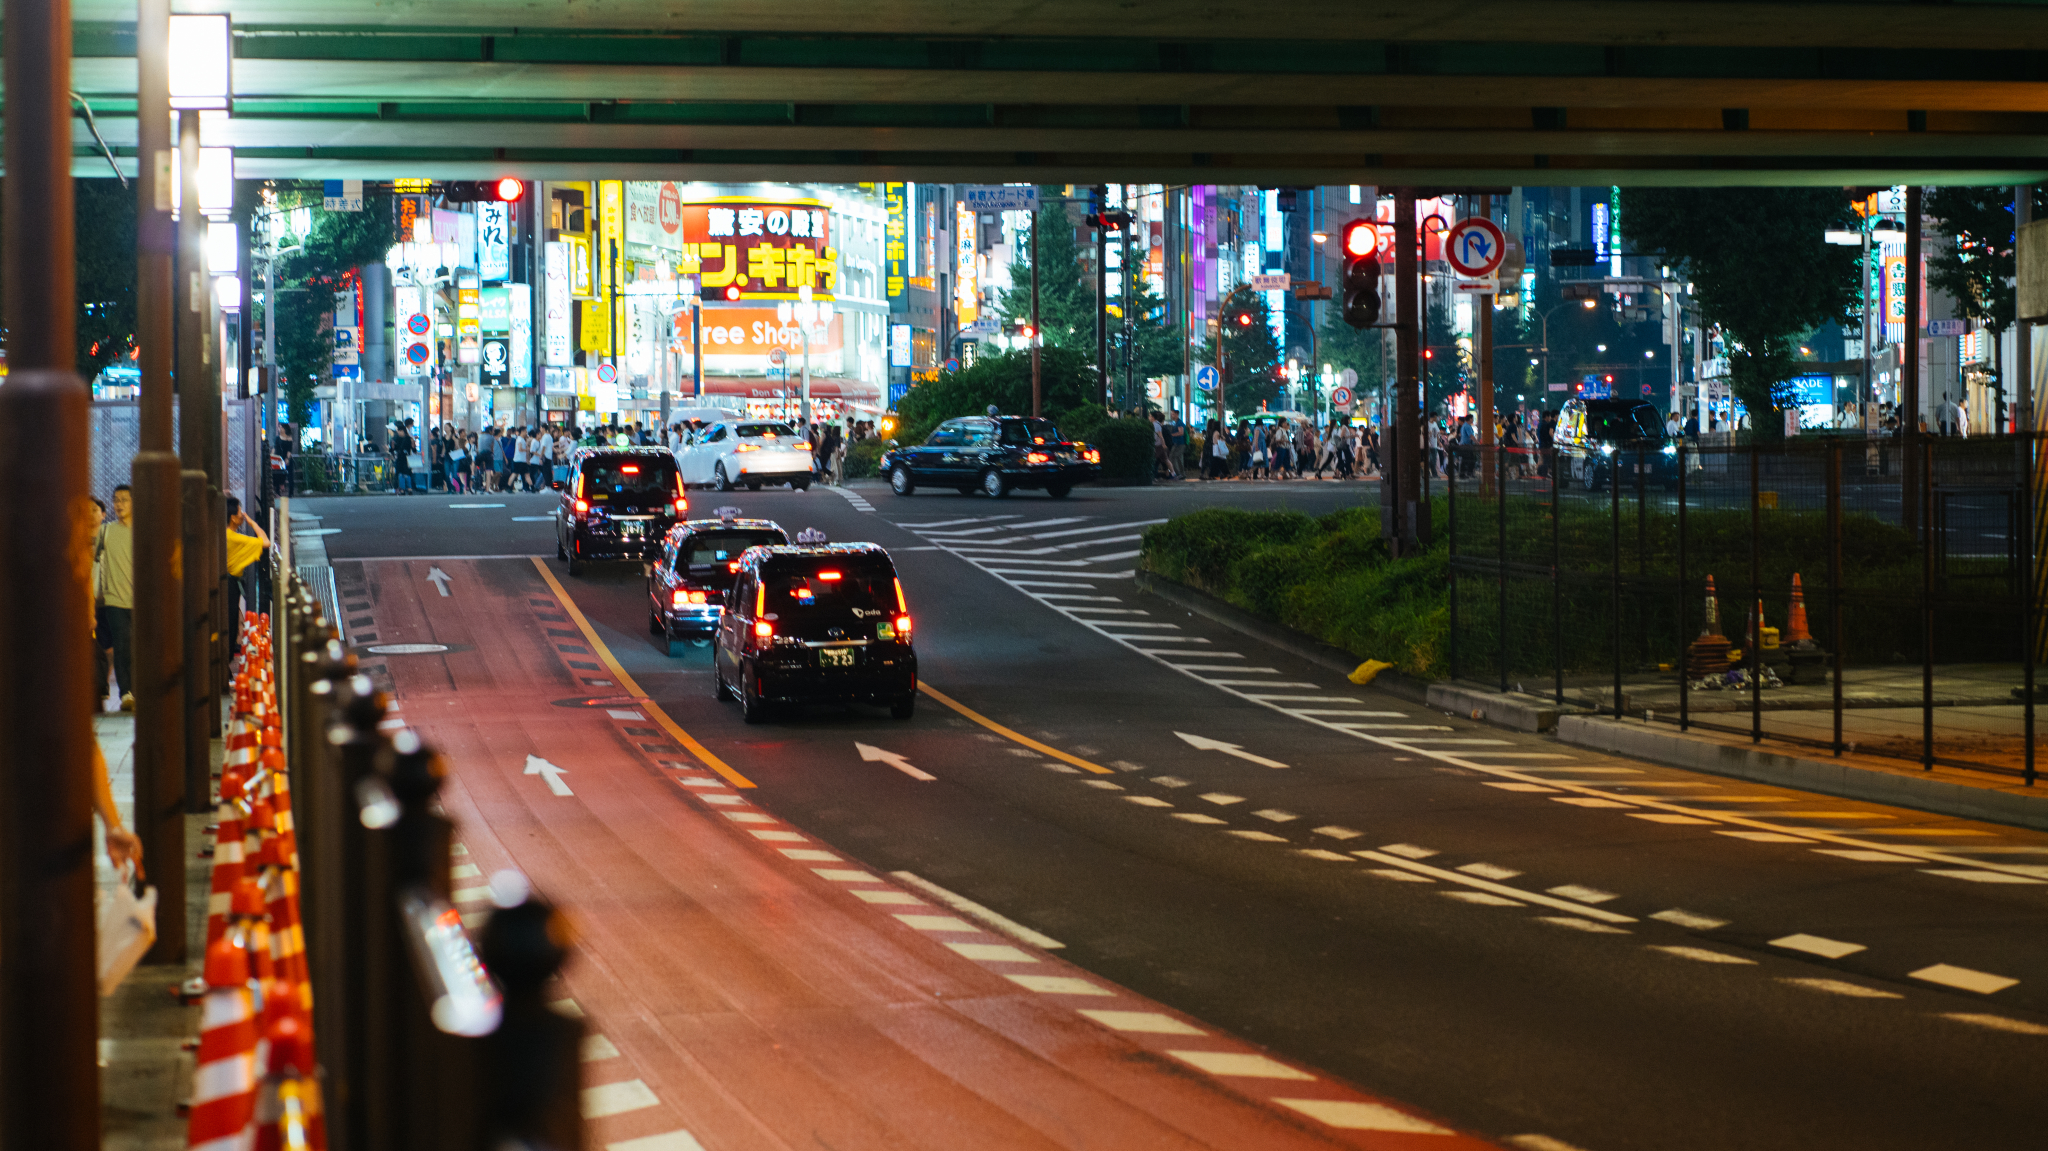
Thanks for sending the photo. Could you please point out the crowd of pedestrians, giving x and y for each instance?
(1271, 449)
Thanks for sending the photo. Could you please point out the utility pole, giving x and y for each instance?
(1130, 329)
(158, 660)
(1037, 388)
(1909, 371)
(1101, 298)
(1410, 513)
(49, 1011)
(1482, 319)
(2023, 332)
(194, 420)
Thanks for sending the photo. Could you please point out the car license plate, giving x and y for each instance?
(631, 529)
(835, 657)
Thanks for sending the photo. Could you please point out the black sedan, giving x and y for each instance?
(700, 559)
(1599, 441)
(992, 454)
(824, 624)
(619, 504)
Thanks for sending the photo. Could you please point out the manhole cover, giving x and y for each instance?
(406, 648)
(605, 701)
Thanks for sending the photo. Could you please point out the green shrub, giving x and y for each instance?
(862, 457)
(1126, 447)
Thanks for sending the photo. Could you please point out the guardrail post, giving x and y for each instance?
(531, 1070)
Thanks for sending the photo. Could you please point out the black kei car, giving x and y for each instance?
(700, 559)
(1599, 441)
(619, 504)
(993, 454)
(815, 625)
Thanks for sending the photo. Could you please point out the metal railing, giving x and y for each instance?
(1895, 590)
(427, 1038)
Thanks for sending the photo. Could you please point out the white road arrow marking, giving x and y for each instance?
(1204, 743)
(535, 765)
(877, 755)
(439, 579)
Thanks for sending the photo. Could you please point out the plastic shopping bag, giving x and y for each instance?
(127, 928)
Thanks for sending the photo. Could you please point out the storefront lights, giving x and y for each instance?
(201, 51)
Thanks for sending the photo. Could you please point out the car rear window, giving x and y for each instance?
(708, 548)
(1640, 421)
(636, 477)
(765, 431)
(1016, 432)
(808, 601)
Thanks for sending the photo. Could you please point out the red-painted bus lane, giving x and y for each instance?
(747, 985)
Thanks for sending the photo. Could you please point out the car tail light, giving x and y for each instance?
(748, 448)
(1092, 456)
(733, 566)
(680, 598)
(582, 507)
(800, 446)
(1037, 458)
(700, 597)
(901, 607)
(903, 627)
(829, 576)
(630, 469)
(763, 629)
(682, 505)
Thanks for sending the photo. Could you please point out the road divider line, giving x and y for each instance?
(1495, 888)
(626, 681)
(994, 919)
(1006, 733)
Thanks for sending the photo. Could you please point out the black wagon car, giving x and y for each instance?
(699, 560)
(992, 454)
(1600, 441)
(618, 504)
(815, 625)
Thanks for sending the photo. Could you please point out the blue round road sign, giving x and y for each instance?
(1205, 377)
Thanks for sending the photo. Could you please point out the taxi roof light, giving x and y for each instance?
(830, 575)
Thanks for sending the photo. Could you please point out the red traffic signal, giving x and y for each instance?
(503, 191)
(1361, 280)
(732, 291)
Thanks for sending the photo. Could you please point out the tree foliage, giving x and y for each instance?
(1978, 269)
(335, 245)
(1003, 379)
(1066, 300)
(1760, 267)
(104, 234)
(1251, 360)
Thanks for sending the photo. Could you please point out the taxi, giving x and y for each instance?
(687, 582)
(994, 455)
(618, 504)
(818, 624)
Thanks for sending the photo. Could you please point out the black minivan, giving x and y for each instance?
(824, 624)
(1601, 440)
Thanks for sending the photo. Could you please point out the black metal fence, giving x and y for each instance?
(1839, 592)
(425, 1040)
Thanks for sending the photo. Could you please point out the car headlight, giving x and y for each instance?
(1670, 449)
(1606, 449)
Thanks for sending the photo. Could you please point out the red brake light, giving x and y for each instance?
(829, 575)
(582, 506)
(733, 566)
(1037, 458)
(680, 598)
(763, 629)
(699, 597)
(630, 469)
(903, 627)
(682, 505)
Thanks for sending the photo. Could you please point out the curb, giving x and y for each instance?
(1278, 635)
(1519, 712)
(2020, 807)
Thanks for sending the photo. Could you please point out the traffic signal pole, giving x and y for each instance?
(49, 1013)
(1037, 389)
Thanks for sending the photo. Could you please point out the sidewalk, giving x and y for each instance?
(1988, 732)
(144, 1070)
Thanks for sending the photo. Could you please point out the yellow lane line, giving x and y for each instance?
(1006, 733)
(626, 681)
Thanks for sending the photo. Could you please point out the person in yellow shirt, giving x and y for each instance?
(247, 543)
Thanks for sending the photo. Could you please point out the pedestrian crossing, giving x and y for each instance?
(1074, 565)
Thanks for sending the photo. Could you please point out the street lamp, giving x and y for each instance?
(201, 47)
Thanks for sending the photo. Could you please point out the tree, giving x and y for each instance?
(104, 238)
(336, 245)
(1002, 379)
(1978, 270)
(1066, 302)
(1342, 346)
(1251, 356)
(1760, 268)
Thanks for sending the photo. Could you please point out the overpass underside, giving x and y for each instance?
(1069, 91)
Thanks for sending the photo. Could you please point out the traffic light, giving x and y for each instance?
(1099, 215)
(1361, 274)
(502, 191)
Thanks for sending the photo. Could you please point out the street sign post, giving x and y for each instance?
(1277, 282)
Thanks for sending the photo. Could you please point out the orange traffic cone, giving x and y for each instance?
(1795, 616)
(1712, 625)
(227, 854)
(288, 1111)
(224, 1080)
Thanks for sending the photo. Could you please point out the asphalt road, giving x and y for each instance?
(1519, 936)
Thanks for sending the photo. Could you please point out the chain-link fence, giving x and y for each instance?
(1840, 592)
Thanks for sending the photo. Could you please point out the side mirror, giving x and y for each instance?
(892, 445)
